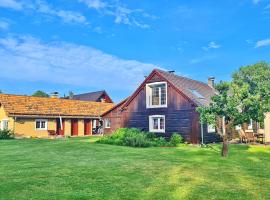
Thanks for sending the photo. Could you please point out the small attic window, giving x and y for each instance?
(197, 94)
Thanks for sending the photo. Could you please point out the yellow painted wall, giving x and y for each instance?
(80, 127)
(267, 127)
(26, 128)
(3, 116)
(67, 127)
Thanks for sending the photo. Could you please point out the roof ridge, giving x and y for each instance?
(53, 99)
(90, 92)
(184, 77)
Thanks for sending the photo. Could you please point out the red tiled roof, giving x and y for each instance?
(41, 106)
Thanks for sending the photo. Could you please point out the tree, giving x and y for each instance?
(251, 85)
(0, 91)
(246, 97)
(222, 108)
(40, 93)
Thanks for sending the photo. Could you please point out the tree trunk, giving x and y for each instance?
(225, 147)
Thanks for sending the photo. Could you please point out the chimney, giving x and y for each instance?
(55, 95)
(211, 82)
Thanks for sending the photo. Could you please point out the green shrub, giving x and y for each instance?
(138, 140)
(135, 138)
(126, 137)
(176, 139)
(6, 134)
(160, 142)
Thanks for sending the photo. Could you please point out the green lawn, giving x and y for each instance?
(80, 169)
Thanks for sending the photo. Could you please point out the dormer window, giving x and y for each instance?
(156, 95)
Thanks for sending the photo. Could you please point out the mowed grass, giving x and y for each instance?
(78, 168)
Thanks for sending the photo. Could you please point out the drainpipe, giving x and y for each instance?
(14, 123)
(202, 142)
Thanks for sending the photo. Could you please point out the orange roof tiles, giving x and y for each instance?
(40, 106)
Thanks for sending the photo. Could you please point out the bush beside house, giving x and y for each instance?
(6, 134)
(135, 138)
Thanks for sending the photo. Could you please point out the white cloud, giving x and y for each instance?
(121, 14)
(29, 59)
(12, 4)
(4, 25)
(211, 45)
(41, 6)
(96, 4)
(66, 16)
(262, 43)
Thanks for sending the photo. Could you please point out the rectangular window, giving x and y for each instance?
(41, 124)
(211, 128)
(4, 124)
(157, 123)
(107, 123)
(94, 124)
(156, 95)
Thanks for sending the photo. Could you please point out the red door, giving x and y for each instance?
(74, 127)
(87, 127)
(60, 131)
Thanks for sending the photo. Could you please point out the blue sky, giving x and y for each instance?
(88, 45)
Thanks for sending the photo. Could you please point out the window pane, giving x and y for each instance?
(211, 128)
(155, 95)
(162, 123)
(107, 123)
(43, 124)
(37, 124)
(5, 124)
(163, 94)
(155, 123)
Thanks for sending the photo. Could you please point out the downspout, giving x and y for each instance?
(14, 123)
(202, 133)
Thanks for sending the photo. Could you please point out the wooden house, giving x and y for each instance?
(99, 96)
(41, 117)
(164, 103)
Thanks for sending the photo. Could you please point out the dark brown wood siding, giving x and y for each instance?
(180, 114)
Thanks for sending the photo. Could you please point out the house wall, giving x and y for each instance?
(80, 127)
(26, 127)
(67, 127)
(3, 116)
(115, 116)
(267, 128)
(180, 115)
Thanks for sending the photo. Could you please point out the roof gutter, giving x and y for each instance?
(53, 116)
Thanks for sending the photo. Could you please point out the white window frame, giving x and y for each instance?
(41, 120)
(94, 123)
(149, 95)
(211, 128)
(3, 122)
(250, 125)
(106, 121)
(151, 124)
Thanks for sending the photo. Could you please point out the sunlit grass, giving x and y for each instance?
(78, 168)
